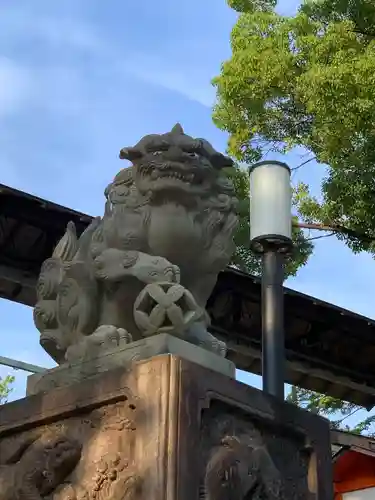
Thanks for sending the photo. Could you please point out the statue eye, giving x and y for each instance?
(193, 155)
(157, 147)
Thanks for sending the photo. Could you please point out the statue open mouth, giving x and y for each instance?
(174, 163)
(162, 174)
(169, 171)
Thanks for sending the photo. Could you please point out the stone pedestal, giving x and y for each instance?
(125, 356)
(165, 429)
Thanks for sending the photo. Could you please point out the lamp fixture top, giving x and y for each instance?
(270, 162)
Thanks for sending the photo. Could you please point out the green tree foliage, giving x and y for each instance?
(243, 258)
(5, 388)
(250, 6)
(360, 12)
(336, 410)
(308, 80)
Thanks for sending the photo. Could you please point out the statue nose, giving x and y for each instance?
(175, 153)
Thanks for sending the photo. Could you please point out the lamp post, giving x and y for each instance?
(271, 236)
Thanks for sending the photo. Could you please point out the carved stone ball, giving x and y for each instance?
(164, 308)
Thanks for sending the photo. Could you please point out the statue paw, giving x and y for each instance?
(221, 348)
(113, 264)
(153, 269)
(198, 334)
(216, 346)
(104, 337)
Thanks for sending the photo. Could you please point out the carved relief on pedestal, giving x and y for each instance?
(169, 219)
(243, 459)
(86, 457)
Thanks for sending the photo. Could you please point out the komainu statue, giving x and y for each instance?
(150, 263)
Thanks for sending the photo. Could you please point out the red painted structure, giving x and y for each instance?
(353, 466)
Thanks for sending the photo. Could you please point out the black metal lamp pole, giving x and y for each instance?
(273, 337)
(270, 235)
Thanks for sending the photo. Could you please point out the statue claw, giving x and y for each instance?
(221, 348)
(215, 346)
(198, 334)
(104, 337)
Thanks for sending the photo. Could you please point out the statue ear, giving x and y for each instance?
(220, 161)
(130, 154)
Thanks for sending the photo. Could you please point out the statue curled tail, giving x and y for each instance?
(67, 292)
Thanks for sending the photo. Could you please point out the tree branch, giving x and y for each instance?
(335, 229)
(319, 227)
(302, 164)
(320, 237)
(365, 33)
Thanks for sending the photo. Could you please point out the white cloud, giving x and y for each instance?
(173, 71)
(53, 76)
(23, 22)
(57, 84)
(174, 77)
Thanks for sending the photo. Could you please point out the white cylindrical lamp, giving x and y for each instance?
(270, 206)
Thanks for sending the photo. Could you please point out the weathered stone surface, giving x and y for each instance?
(166, 429)
(149, 265)
(76, 445)
(124, 356)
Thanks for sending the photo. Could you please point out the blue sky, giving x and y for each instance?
(80, 80)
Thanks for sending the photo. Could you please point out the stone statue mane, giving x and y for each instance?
(150, 263)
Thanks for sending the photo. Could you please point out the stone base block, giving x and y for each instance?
(69, 373)
(166, 429)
